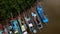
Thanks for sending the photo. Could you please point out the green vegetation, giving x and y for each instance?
(8, 6)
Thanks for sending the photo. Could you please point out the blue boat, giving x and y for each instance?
(41, 14)
(16, 27)
(1, 32)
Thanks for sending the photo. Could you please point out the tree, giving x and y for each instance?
(8, 6)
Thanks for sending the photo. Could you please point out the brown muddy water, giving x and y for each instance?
(52, 8)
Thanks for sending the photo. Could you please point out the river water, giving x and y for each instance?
(52, 8)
